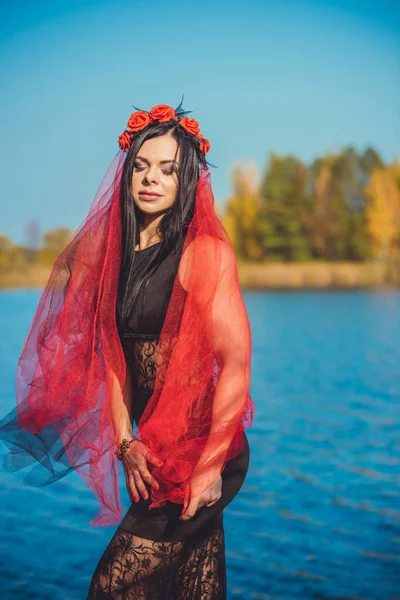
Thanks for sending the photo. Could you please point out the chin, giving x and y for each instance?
(151, 206)
(152, 209)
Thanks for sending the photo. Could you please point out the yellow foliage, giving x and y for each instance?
(383, 210)
(8, 250)
(242, 213)
(322, 182)
(228, 221)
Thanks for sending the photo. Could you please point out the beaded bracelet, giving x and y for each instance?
(122, 448)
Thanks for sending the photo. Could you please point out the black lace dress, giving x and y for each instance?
(153, 555)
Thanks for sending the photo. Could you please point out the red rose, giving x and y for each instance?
(204, 144)
(124, 140)
(191, 125)
(162, 113)
(138, 120)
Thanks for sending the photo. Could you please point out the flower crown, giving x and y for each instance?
(162, 112)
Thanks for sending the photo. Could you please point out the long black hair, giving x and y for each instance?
(173, 226)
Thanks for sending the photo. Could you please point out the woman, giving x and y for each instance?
(142, 321)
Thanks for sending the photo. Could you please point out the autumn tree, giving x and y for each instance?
(242, 213)
(53, 243)
(7, 251)
(383, 211)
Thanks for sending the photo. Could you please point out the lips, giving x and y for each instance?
(150, 194)
(148, 197)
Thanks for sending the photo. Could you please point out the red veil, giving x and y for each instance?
(72, 367)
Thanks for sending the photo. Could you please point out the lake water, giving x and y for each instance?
(319, 513)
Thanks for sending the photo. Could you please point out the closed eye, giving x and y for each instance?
(166, 171)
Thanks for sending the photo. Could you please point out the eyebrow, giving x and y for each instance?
(162, 162)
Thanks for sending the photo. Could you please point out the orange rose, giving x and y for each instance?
(162, 113)
(191, 125)
(124, 140)
(204, 144)
(138, 120)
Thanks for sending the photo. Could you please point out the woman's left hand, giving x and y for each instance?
(207, 498)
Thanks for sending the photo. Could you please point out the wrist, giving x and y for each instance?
(122, 447)
(121, 436)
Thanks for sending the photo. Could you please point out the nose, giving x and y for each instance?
(151, 175)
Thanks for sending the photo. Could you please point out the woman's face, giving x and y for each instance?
(156, 171)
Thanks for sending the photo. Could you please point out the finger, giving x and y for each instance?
(154, 460)
(127, 483)
(139, 484)
(141, 466)
(132, 490)
(147, 476)
(191, 510)
(186, 499)
(128, 488)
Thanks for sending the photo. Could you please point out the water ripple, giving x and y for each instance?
(318, 515)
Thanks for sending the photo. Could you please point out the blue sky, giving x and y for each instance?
(288, 76)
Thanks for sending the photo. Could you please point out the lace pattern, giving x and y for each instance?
(144, 356)
(134, 568)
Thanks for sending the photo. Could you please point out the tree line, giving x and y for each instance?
(341, 207)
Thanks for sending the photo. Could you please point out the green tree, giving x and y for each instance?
(286, 204)
(337, 224)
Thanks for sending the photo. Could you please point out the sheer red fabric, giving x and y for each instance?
(72, 367)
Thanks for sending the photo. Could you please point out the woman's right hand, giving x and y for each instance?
(136, 471)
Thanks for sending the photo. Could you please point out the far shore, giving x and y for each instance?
(256, 276)
(319, 275)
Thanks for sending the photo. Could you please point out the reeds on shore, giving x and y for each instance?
(260, 276)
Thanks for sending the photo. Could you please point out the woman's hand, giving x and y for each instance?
(136, 471)
(207, 498)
